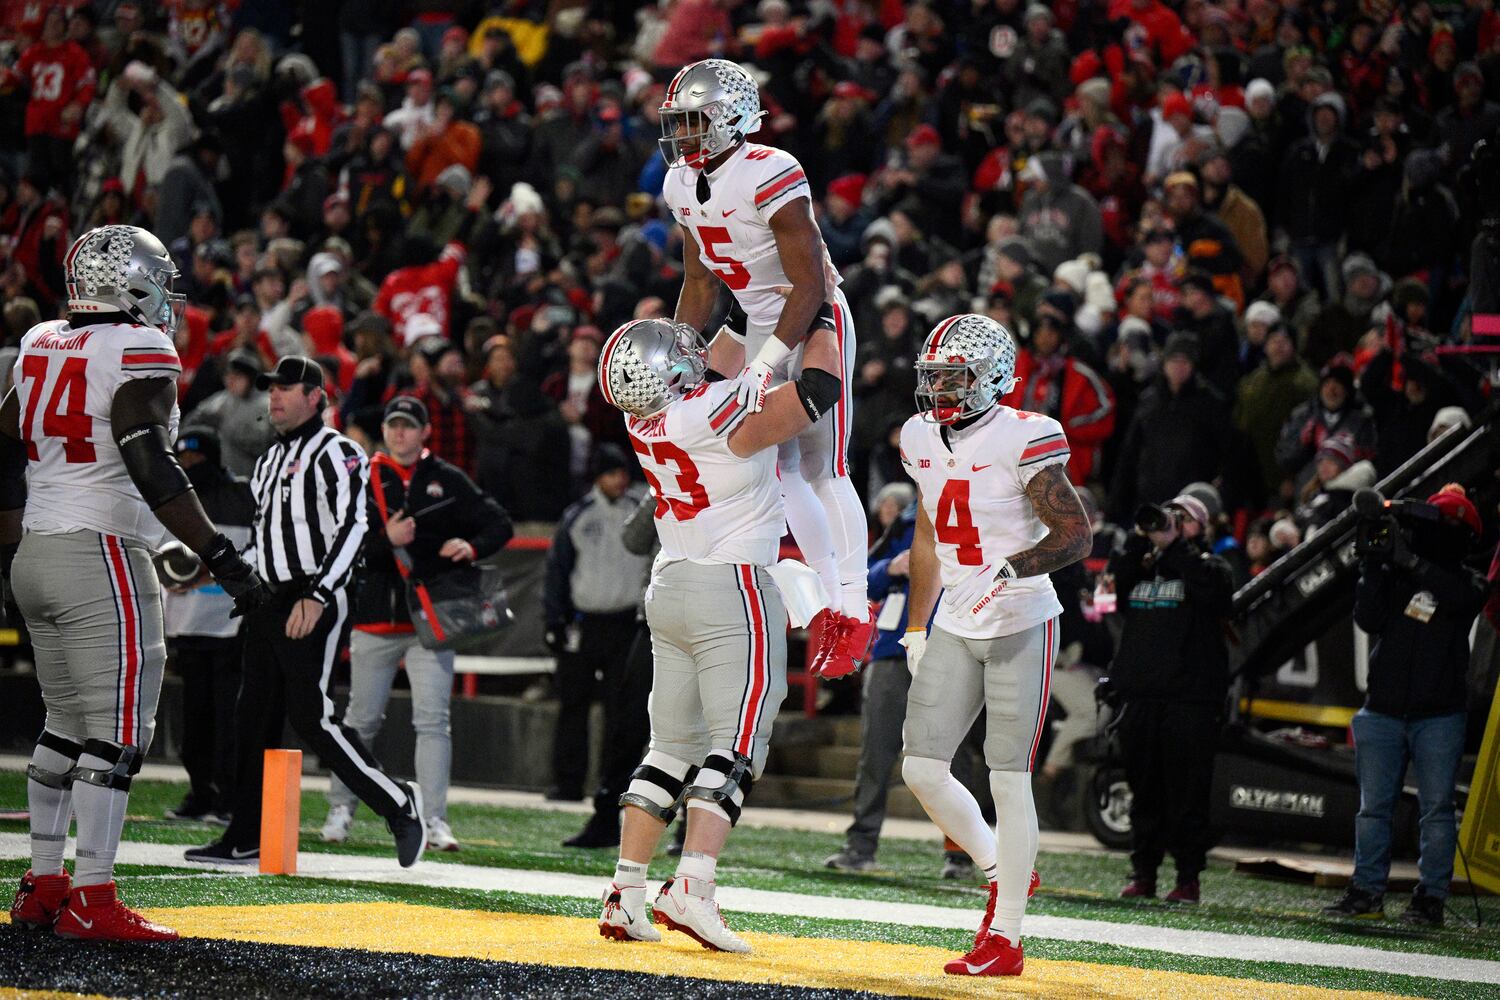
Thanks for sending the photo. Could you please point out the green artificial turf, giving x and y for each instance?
(1081, 885)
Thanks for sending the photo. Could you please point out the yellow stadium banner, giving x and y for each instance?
(1479, 836)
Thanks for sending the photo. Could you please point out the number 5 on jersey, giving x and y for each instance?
(64, 415)
(955, 523)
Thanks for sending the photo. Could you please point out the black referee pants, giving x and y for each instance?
(598, 669)
(210, 671)
(292, 679)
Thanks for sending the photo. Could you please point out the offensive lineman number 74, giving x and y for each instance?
(64, 416)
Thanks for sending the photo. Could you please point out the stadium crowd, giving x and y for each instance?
(1233, 238)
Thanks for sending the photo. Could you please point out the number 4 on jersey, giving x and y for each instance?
(64, 416)
(955, 523)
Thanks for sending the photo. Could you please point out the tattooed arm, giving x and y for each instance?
(1069, 536)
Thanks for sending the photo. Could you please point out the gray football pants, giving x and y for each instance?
(93, 608)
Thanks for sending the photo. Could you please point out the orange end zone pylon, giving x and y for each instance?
(280, 812)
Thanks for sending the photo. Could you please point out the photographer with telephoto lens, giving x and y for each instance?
(1171, 671)
(1418, 601)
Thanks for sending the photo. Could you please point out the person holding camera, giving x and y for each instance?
(1171, 671)
(431, 516)
(1418, 601)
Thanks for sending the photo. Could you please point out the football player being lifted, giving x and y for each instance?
(718, 623)
(747, 210)
(996, 514)
(88, 471)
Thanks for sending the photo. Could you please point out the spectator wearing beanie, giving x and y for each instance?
(931, 180)
(1180, 434)
(1314, 183)
(1266, 399)
(1284, 289)
(1337, 409)
(1204, 315)
(1203, 237)
(522, 444)
(440, 387)
(591, 421)
(1344, 320)
(844, 219)
(1039, 65)
(1260, 317)
(323, 330)
(1386, 144)
(1424, 230)
(1338, 473)
(1060, 219)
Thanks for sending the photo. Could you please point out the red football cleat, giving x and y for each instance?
(95, 913)
(1186, 892)
(856, 638)
(828, 661)
(1138, 888)
(989, 908)
(39, 900)
(994, 956)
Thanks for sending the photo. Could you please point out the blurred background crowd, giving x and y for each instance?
(1233, 238)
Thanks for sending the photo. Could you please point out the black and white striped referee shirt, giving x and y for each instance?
(309, 509)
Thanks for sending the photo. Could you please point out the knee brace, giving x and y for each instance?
(921, 774)
(722, 784)
(62, 746)
(656, 786)
(125, 763)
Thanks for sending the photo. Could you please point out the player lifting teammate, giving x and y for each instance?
(718, 626)
(88, 472)
(996, 515)
(748, 210)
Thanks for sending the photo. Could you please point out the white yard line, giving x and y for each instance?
(1208, 944)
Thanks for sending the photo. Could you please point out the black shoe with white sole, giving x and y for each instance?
(410, 828)
(222, 853)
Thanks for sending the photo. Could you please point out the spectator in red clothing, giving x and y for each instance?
(696, 29)
(316, 118)
(39, 240)
(425, 282)
(323, 328)
(1064, 388)
(60, 80)
(1165, 34)
(591, 421)
(441, 389)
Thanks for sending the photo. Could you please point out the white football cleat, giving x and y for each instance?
(683, 906)
(620, 923)
(336, 826)
(440, 836)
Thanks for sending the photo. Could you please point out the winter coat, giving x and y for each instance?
(1310, 425)
(1174, 439)
(1266, 398)
(1074, 395)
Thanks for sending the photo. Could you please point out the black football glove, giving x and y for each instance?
(236, 576)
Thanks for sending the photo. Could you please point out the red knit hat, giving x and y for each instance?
(923, 135)
(1456, 506)
(850, 187)
(1176, 104)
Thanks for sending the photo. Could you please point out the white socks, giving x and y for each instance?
(828, 522)
(951, 807)
(698, 867)
(101, 818)
(51, 811)
(630, 879)
(804, 515)
(850, 533)
(1016, 844)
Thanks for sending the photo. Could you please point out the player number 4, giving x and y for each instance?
(64, 415)
(955, 523)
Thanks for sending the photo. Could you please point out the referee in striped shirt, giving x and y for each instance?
(309, 524)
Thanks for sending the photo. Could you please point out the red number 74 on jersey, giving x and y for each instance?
(64, 416)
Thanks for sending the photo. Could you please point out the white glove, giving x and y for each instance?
(915, 641)
(755, 380)
(974, 595)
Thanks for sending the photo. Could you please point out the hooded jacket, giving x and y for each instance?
(1316, 179)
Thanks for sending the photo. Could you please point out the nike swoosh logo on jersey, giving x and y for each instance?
(981, 468)
(87, 925)
(729, 211)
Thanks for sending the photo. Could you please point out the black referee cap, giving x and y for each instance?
(292, 370)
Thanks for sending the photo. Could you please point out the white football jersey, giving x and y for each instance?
(974, 492)
(711, 505)
(66, 380)
(732, 229)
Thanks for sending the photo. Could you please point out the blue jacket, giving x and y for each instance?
(882, 584)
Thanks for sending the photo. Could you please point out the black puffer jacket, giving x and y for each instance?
(445, 504)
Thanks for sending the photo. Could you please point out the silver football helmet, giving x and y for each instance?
(966, 364)
(123, 269)
(648, 363)
(709, 106)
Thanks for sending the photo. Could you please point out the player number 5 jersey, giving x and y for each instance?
(711, 505)
(732, 230)
(66, 381)
(974, 492)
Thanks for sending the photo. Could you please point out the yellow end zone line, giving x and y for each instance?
(897, 969)
(12, 993)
